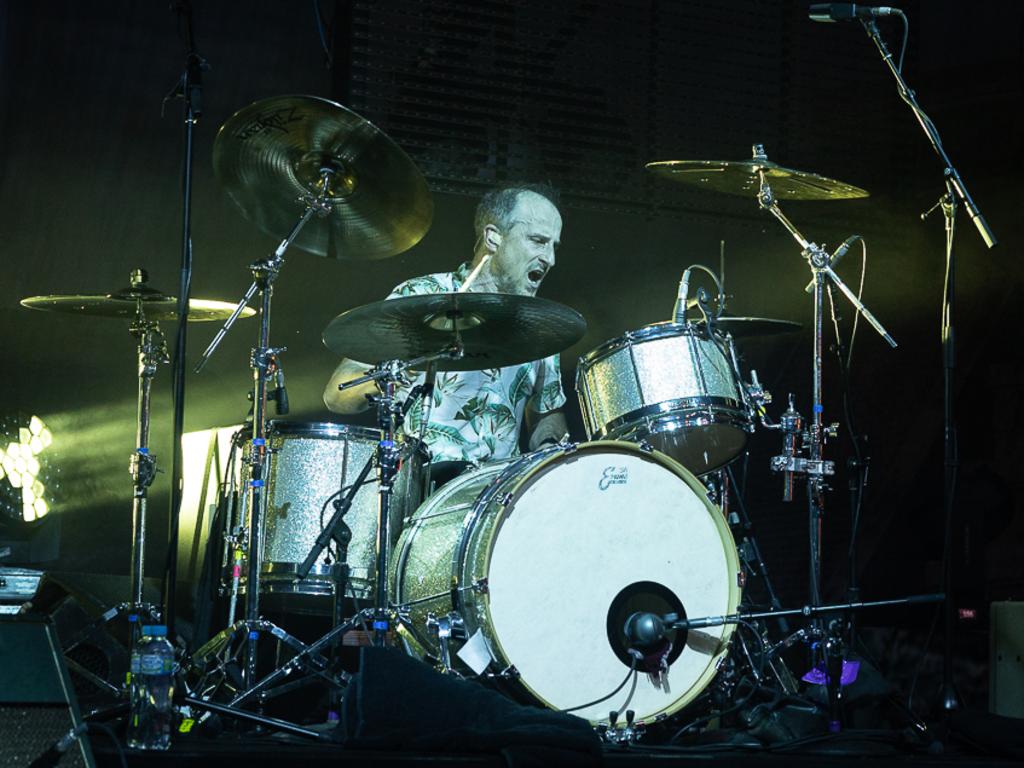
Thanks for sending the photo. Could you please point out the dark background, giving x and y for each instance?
(581, 94)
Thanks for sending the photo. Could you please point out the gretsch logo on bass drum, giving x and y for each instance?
(613, 476)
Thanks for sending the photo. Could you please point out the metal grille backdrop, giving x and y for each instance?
(582, 94)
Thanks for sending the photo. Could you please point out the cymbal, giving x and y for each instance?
(742, 178)
(754, 326)
(271, 153)
(126, 303)
(496, 329)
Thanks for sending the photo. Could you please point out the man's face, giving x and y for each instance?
(527, 250)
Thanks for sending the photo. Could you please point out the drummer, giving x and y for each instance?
(477, 416)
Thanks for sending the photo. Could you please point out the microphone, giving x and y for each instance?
(830, 12)
(836, 257)
(644, 630)
(280, 393)
(53, 755)
(679, 311)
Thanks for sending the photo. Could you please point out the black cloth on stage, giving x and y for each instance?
(396, 702)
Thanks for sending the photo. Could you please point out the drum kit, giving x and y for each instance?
(525, 572)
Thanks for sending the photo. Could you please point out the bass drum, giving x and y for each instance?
(546, 556)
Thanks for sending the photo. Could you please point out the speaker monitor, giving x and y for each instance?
(37, 702)
(1006, 662)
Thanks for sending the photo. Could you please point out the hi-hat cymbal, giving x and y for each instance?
(740, 327)
(127, 303)
(273, 152)
(495, 329)
(743, 178)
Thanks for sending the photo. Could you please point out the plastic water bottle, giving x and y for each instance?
(151, 713)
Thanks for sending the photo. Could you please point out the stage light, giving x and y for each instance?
(24, 465)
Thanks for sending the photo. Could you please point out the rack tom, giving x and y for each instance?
(673, 386)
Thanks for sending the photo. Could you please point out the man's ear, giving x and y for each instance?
(492, 237)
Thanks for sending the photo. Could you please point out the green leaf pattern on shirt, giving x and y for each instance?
(477, 415)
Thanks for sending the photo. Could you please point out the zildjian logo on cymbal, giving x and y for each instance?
(277, 120)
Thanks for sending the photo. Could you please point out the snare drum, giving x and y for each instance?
(308, 465)
(672, 386)
(546, 556)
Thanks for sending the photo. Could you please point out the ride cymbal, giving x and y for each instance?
(495, 329)
(271, 157)
(743, 178)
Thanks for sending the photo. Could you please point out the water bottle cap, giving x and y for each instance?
(154, 630)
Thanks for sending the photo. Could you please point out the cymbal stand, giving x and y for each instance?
(152, 350)
(264, 362)
(381, 615)
(389, 419)
(815, 467)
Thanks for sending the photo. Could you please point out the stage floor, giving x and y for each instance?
(254, 752)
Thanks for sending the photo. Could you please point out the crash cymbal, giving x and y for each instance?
(271, 153)
(496, 329)
(740, 327)
(742, 178)
(128, 301)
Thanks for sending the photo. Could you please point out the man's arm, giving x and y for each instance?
(550, 425)
(351, 400)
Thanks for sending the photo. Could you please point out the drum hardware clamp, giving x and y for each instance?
(444, 629)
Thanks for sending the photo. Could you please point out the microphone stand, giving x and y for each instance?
(832, 657)
(955, 189)
(190, 90)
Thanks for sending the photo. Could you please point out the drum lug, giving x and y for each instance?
(741, 579)
(480, 586)
(645, 446)
(505, 499)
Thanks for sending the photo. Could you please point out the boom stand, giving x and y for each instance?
(815, 466)
(830, 641)
(955, 189)
(264, 364)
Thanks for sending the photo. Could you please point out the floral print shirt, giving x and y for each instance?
(476, 416)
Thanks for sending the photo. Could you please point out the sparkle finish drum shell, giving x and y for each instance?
(309, 463)
(671, 385)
